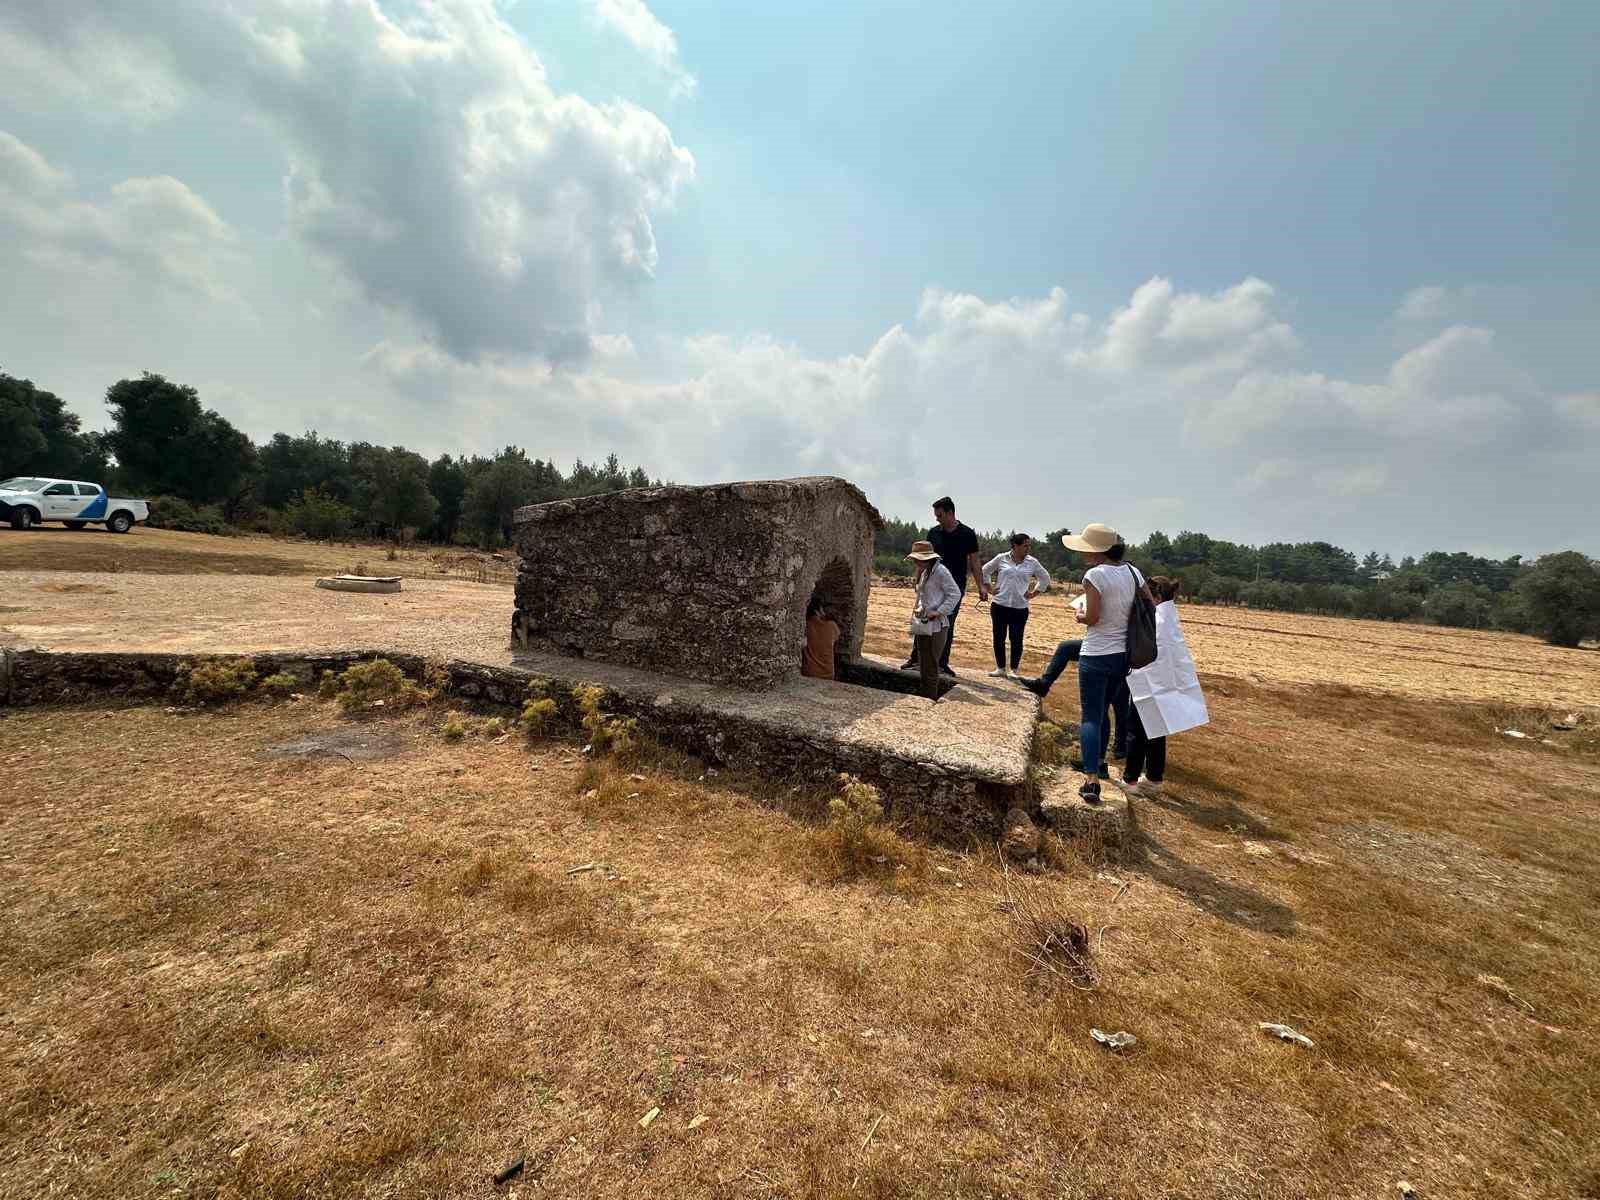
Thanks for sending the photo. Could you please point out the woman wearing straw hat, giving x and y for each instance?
(1109, 587)
(937, 597)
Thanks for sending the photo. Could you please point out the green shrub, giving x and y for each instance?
(174, 512)
(328, 685)
(492, 728)
(454, 728)
(537, 711)
(377, 684)
(607, 734)
(317, 515)
(891, 564)
(280, 684)
(216, 681)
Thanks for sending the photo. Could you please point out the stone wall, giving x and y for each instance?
(707, 582)
(935, 801)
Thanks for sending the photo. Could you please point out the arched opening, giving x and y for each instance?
(836, 590)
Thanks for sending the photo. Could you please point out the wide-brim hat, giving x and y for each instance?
(923, 552)
(1094, 539)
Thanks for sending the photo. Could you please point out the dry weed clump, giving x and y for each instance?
(538, 710)
(218, 681)
(280, 684)
(458, 726)
(1052, 745)
(854, 842)
(376, 684)
(1044, 934)
(615, 736)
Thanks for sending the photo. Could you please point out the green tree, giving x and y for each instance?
(39, 436)
(166, 444)
(1561, 598)
(496, 490)
(390, 488)
(317, 515)
(447, 480)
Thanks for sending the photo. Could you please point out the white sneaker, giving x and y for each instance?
(999, 673)
(1149, 787)
(1131, 789)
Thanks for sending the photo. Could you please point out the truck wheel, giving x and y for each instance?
(75, 524)
(120, 523)
(23, 518)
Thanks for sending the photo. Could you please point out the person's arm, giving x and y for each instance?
(991, 570)
(1041, 580)
(974, 569)
(949, 597)
(1091, 604)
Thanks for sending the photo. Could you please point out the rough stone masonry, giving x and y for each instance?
(708, 582)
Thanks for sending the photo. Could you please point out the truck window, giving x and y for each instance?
(88, 489)
(58, 489)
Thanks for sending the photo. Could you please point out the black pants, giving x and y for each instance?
(1147, 756)
(1008, 620)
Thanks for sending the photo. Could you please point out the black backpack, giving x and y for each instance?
(1141, 627)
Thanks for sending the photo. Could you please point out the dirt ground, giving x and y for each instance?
(180, 591)
(380, 969)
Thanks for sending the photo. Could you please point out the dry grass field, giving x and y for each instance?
(373, 972)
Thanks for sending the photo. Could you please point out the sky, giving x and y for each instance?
(1273, 272)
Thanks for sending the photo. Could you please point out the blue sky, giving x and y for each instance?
(1317, 270)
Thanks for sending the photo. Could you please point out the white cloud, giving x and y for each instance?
(1051, 415)
(1429, 303)
(1582, 409)
(152, 231)
(646, 33)
(427, 157)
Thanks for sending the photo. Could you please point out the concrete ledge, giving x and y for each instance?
(1111, 823)
(950, 768)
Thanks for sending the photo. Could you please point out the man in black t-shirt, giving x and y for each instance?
(957, 545)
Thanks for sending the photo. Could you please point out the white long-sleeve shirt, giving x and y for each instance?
(938, 596)
(1008, 579)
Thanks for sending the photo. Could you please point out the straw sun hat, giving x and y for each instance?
(923, 552)
(1095, 539)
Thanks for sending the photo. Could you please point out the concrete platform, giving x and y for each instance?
(950, 768)
(1113, 823)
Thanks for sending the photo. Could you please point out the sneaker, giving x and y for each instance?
(999, 673)
(1131, 789)
(1037, 686)
(1090, 792)
(1149, 787)
(910, 664)
(1077, 765)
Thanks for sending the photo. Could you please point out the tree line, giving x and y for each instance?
(203, 474)
(1556, 596)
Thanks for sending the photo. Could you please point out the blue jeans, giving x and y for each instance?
(1098, 677)
(1117, 700)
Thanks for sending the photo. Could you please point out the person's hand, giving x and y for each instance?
(983, 592)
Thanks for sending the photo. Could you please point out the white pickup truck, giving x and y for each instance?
(26, 500)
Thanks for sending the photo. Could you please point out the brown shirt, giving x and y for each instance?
(817, 660)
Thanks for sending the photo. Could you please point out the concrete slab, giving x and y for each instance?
(1112, 823)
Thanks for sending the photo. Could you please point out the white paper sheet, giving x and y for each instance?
(1167, 692)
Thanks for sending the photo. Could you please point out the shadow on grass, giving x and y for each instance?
(1228, 816)
(1230, 902)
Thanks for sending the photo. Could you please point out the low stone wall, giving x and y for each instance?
(936, 801)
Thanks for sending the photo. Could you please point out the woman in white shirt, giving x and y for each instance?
(1109, 587)
(1014, 578)
(937, 598)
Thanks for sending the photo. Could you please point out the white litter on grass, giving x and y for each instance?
(1516, 733)
(1286, 1033)
(1117, 1041)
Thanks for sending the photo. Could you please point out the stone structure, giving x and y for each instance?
(706, 582)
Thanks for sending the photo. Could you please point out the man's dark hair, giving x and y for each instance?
(1164, 587)
(814, 607)
(1116, 552)
(945, 503)
(1018, 538)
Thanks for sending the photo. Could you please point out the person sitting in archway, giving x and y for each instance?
(822, 634)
